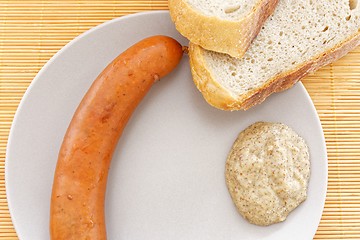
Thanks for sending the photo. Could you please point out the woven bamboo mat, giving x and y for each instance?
(31, 31)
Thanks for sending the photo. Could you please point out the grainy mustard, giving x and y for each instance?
(267, 172)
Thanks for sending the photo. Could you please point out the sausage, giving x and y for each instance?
(78, 192)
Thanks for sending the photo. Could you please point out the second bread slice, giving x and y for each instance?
(300, 37)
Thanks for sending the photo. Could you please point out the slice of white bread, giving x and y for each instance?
(300, 37)
(226, 26)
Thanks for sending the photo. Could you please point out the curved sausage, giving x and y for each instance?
(78, 194)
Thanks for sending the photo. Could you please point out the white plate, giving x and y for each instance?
(167, 176)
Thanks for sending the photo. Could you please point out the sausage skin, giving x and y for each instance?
(78, 193)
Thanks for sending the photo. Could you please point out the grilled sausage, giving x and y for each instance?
(78, 193)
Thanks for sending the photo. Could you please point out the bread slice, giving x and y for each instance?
(226, 26)
(300, 37)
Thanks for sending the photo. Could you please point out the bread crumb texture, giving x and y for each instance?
(297, 31)
(231, 10)
(267, 172)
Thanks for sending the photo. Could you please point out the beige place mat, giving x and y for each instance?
(33, 31)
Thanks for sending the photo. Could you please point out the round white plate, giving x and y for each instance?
(167, 176)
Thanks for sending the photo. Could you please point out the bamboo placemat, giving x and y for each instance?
(31, 31)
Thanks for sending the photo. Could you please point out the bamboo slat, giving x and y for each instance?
(32, 31)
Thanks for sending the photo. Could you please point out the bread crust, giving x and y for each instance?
(219, 97)
(219, 35)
